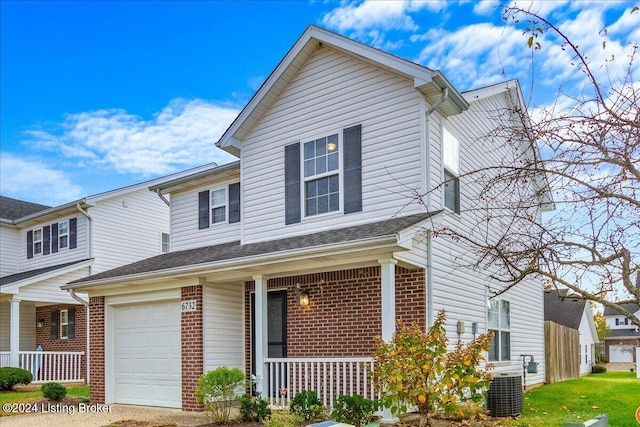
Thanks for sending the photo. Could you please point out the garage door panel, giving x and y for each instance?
(620, 353)
(148, 354)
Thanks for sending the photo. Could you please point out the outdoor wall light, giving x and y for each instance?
(303, 299)
(40, 323)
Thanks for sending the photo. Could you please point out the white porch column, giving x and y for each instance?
(261, 331)
(388, 287)
(14, 334)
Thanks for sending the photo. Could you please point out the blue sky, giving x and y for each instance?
(99, 95)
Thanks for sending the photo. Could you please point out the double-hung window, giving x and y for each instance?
(64, 324)
(321, 175)
(499, 322)
(37, 241)
(219, 205)
(451, 173)
(63, 234)
(165, 244)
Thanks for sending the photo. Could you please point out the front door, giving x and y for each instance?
(276, 326)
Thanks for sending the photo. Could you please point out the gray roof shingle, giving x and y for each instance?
(562, 309)
(620, 333)
(234, 250)
(13, 208)
(12, 278)
(630, 307)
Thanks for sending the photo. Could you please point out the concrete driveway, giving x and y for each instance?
(98, 416)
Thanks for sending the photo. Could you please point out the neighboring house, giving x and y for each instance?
(624, 337)
(42, 248)
(575, 314)
(289, 262)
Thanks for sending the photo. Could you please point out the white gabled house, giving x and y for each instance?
(623, 339)
(289, 262)
(44, 328)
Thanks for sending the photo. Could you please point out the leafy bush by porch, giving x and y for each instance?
(415, 369)
(354, 410)
(54, 391)
(10, 377)
(253, 409)
(217, 391)
(307, 405)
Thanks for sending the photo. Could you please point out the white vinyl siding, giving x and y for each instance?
(126, 229)
(10, 243)
(185, 233)
(223, 306)
(333, 92)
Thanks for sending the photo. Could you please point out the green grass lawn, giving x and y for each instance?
(22, 396)
(616, 394)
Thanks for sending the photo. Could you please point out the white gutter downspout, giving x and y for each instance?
(159, 193)
(430, 110)
(72, 292)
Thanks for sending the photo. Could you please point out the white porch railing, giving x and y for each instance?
(59, 366)
(328, 377)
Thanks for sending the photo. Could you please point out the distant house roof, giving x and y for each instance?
(630, 307)
(13, 208)
(622, 333)
(24, 275)
(563, 309)
(227, 252)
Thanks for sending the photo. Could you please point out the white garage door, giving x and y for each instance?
(148, 356)
(620, 353)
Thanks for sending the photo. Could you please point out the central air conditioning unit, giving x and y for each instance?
(505, 395)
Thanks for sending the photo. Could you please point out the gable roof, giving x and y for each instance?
(234, 252)
(630, 307)
(431, 83)
(11, 209)
(563, 309)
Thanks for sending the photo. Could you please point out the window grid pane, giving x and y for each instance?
(321, 156)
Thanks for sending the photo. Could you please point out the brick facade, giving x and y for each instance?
(192, 348)
(96, 349)
(344, 314)
(78, 343)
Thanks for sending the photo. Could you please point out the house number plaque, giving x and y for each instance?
(189, 305)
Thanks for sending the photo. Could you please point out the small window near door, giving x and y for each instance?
(64, 324)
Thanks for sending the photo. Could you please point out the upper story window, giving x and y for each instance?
(321, 175)
(219, 205)
(499, 322)
(52, 237)
(166, 243)
(451, 171)
(37, 241)
(63, 234)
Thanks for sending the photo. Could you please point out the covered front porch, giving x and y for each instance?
(42, 328)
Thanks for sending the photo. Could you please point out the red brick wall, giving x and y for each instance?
(96, 349)
(192, 348)
(343, 317)
(79, 343)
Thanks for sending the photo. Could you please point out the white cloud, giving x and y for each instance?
(182, 135)
(27, 176)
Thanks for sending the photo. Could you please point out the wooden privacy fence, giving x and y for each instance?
(562, 352)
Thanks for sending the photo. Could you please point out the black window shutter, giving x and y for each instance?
(54, 237)
(71, 323)
(292, 183)
(203, 209)
(55, 316)
(234, 202)
(353, 169)
(46, 239)
(73, 233)
(30, 244)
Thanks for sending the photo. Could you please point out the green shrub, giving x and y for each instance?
(598, 369)
(283, 419)
(354, 410)
(253, 409)
(217, 390)
(54, 391)
(13, 376)
(306, 405)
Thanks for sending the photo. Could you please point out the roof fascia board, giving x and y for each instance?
(15, 286)
(167, 186)
(389, 241)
